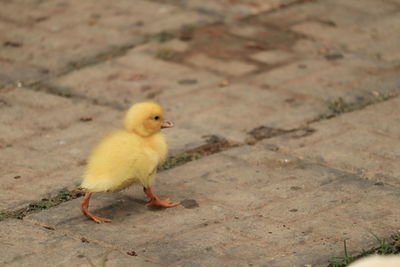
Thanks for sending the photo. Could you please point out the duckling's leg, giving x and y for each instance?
(84, 209)
(155, 201)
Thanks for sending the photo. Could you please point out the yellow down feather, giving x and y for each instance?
(129, 155)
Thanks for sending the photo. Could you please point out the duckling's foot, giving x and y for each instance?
(99, 219)
(85, 211)
(155, 201)
(162, 203)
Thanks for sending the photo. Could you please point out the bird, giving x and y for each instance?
(128, 156)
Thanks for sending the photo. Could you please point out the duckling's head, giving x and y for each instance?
(146, 119)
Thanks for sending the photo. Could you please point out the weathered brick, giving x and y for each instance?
(369, 6)
(293, 72)
(272, 57)
(133, 78)
(365, 144)
(26, 244)
(340, 37)
(232, 67)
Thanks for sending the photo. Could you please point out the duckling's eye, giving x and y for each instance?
(157, 118)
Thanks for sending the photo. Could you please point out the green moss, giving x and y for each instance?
(340, 106)
(165, 53)
(180, 159)
(163, 36)
(64, 92)
(62, 196)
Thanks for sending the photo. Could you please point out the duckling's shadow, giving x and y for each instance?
(123, 205)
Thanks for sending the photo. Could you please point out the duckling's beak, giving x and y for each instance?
(167, 124)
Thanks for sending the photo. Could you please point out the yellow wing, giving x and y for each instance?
(122, 159)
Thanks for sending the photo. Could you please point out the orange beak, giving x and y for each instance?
(167, 124)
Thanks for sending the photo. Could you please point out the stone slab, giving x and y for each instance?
(26, 244)
(359, 142)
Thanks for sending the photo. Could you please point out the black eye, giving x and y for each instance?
(157, 118)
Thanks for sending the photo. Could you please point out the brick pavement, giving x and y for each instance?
(68, 71)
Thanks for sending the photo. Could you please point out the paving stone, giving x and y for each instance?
(326, 87)
(364, 145)
(287, 17)
(329, 13)
(122, 16)
(132, 78)
(44, 52)
(25, 244)
(386, 49)
(232, 67)
(189, 245)
(341, 37)
(231, 10)
(294, 71)
(246, 31)
(272, 57)
(381, 28)
(226, 110)
(344, 24)
(44, 143)
(370, 7)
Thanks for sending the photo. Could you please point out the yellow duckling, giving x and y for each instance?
(128, 156)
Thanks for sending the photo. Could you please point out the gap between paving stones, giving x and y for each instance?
(340, 106)
(67, 93)
(223, 16)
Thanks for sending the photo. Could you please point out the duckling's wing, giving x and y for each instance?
(117, 162)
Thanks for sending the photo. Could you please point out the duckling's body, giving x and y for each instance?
(128, 156)
(122, 159)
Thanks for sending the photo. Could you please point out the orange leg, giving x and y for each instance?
(155, 201)
(85, 211)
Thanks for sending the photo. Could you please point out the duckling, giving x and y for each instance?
(129, 156)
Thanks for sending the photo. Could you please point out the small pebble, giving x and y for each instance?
(132, 253)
